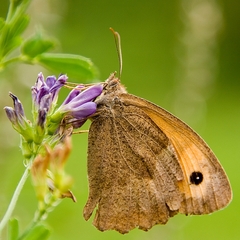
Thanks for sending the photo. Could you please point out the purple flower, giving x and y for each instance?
(74, 111)
(11, 114)
(18, 119)
(74, 93)
(44, 93)
(15, 115)
(79, 105)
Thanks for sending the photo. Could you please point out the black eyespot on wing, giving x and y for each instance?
(196, 178)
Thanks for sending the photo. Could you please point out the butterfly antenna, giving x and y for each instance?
(119, 49)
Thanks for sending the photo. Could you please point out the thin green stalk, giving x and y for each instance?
(26, 232)
(34, 222)
(4, 64)
(14, 199)
(10, 11)
(39, 215)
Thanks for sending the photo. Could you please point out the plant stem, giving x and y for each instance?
(34, 222)
(14, 59)
(39, 215)
(14, 198)
(32, 225)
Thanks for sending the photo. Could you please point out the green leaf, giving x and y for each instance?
(5, 40)
(10, 36)
(19, 25)
(74, 66)
(38, 232)
(13, 229)
(36, 45)
(10, 45)
(17, 8)
(17, 3)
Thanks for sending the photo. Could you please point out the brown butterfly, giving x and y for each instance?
(145, 165)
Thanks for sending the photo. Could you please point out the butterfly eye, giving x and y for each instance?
(196, 178)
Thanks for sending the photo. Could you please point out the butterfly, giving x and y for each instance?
(146, 165)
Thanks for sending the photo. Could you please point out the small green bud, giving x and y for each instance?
(26, 148)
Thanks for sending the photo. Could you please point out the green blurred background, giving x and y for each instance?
(182, 55)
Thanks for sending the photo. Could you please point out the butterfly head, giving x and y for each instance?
(113, 85)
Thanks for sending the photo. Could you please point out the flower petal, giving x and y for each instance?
(84, 110)
(57, 86)
(11, 115)
(45, 102)
(75, 92)
(42, 115)
(86, 96)
(18, 107)
(59, 83)
(50, 81)
(40, 81)
(43, 91)
(77, 123)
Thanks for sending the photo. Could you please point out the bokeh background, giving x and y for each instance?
(182, 55)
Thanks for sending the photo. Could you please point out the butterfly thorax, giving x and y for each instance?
(111, 95)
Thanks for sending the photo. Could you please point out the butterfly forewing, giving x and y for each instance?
(214, 191)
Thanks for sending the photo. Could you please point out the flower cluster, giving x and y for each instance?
(76, 108)
(45, 137)
(78, 105)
